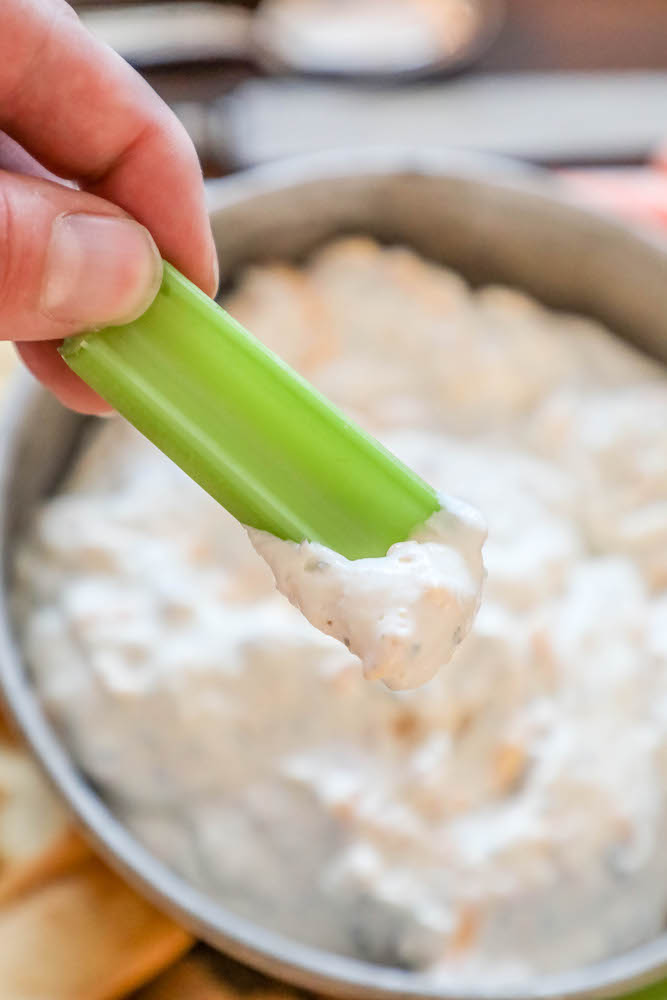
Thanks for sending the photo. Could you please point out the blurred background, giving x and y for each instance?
(573, 84)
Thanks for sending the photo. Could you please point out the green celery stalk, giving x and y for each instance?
(247, 428)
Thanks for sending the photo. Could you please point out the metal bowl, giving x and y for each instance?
(491, 222)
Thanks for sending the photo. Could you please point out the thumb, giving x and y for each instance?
(69, 261)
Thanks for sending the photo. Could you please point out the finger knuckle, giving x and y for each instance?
(37, 25)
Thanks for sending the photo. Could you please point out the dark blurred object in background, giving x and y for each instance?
(370, 38)
(389, 39)
(582, 35)
(559, 34)
(518, 96)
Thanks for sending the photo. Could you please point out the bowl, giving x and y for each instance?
(492, 222)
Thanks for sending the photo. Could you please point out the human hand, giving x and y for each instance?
(72, 256)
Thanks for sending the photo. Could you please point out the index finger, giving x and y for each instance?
(85, 114)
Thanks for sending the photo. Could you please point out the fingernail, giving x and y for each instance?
(100, 270)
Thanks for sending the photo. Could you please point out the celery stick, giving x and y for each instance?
(247, 428)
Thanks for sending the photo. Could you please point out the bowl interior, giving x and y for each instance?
(491, 225)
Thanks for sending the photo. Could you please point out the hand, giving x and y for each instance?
(75, 256)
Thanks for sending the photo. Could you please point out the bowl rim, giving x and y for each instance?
(266, 950)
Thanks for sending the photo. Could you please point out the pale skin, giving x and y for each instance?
(86, 147)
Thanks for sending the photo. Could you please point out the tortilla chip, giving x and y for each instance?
(205, 975)
(86, 936)
(32, 818)
(8, 732)
(37, 839)
(66, 851)
(189, 979)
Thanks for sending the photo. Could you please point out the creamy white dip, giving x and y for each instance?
(403, 615)
(507, 819)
